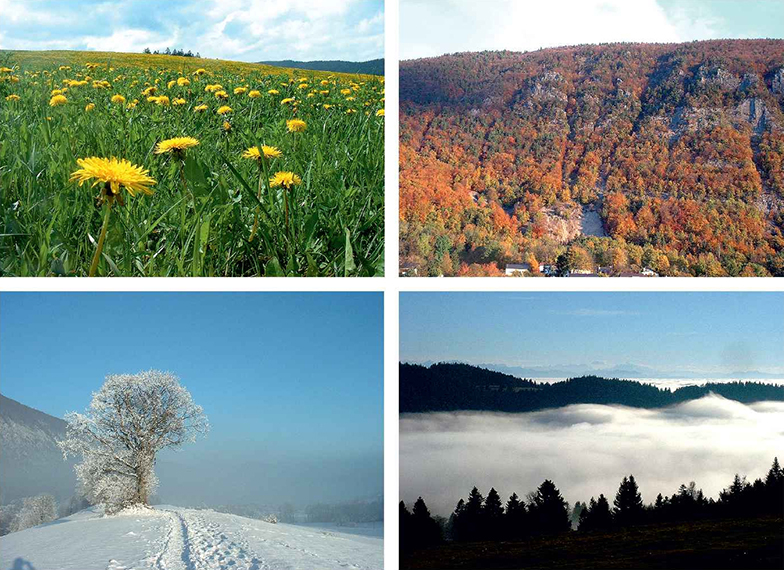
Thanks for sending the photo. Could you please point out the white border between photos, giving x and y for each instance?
(391, 286)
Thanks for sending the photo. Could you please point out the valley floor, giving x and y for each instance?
(172, 538)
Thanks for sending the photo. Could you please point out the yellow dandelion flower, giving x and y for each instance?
(115, 173)
(163, 101)
(226, 126)
(351, 98)
(273, 92)
(57, 100)
(149, 91)
(183, 81)
(327, 106)
(118, 99)
(225, 109)
(254, 94)
(345, 91)
(285, 179)
(221, 95)
(296, 125)
(287, 100)
(324, 82)
(171, 84)
(240, 90)
(177, 145)
(380, 113)
(200, 108)
(12, 97)
(89, 107)
(324, 92)
(6, 70)
(199, 72)
(132, 104)
(56, 92)
(265, 151)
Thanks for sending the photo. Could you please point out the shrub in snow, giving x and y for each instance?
(35, 510)
(129, 420)
(271, 519)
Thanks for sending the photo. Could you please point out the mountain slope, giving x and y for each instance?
(623, 156)
(30, 460)
(371, 67)
(449, 387)
(183, 539)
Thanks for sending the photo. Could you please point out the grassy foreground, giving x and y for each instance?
(212, 212)
(756, 543)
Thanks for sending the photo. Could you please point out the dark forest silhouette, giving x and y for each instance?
(546, 512)
(454, 386)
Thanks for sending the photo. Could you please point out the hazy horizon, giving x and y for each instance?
(678, 335)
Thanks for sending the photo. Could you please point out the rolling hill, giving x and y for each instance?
(614, 156)
(45, 59)
(183, 539)
(372, 67)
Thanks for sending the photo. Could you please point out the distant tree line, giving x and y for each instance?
(169, 51)
(546, 512)
(455, 386)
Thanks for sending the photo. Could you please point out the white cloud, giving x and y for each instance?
(430, 28)
(130, 40)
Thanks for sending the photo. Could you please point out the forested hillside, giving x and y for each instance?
(450, 387)
(603, 159)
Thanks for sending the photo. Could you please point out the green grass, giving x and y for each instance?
(754, 543)
(51, 225)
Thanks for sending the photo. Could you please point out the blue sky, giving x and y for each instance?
(243, 30)
(675, 332)
(294, 378)
(434, 27)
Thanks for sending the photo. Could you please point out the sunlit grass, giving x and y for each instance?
(207, 199)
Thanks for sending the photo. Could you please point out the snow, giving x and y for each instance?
(173, 538)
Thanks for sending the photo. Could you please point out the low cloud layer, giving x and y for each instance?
(587, 449)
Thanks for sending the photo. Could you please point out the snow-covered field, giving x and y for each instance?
(173, 538)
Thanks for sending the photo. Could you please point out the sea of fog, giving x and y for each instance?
(587, 449)
(675, 383)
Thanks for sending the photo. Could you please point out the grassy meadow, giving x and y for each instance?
(307, 201)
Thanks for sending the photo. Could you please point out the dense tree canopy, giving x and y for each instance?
(677, 148)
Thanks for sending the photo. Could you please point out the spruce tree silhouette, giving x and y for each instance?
(406, 544)
(472, 515)
(425, 530)
(515, 518)
(493, 516)
(628, 509)
(548, 511)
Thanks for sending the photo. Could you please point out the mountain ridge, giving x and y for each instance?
(453, 387)
(31, 462)
(617, 157)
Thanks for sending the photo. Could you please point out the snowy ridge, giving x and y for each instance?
(172, 538)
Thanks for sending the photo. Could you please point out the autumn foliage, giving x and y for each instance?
(678, 147)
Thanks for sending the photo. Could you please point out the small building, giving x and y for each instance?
(548, 269)
(517, 269)
(408, 271)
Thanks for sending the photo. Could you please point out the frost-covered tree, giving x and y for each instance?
(129, 420)
(35, 510)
